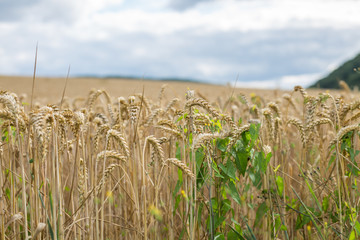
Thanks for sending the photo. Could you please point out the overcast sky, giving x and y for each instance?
(269, 43)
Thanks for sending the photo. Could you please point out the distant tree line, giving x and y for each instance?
(348, 72)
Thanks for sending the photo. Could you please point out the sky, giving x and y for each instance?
(255, 43)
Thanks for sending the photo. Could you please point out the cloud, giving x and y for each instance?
(185, 4)
(218, 58)
(37, 11)
(213, 42)
(12, 10)
(285, 82)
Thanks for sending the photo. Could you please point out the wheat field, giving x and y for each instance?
(113, 159)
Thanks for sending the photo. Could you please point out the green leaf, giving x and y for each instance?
(260, 162)
(182, 117)
(309, 213)
(233, 192)
(254, 131)
(332, 159)
(178, 151)
(313, 194)
(215, 204)
(177, 201)
(222, 144)
(280, 185)
(241, 161)
(283, 227)
(301, 219)
(357, 227)
(234, 234)
(47, 219)
(325, 204)
(177, 188)
(255, 177)
(218, 220)
(261, 211)
(247, 187)
(225, 206)
(229, 169)
(219, 236)
(199, 156)
(352, 235)
(217, 173)
(277, 223)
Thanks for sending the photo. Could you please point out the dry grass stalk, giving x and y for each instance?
(39, 228)
(344, 86)
(14, 218)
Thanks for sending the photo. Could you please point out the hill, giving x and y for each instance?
(345, 72)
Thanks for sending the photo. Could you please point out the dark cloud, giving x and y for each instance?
(185, 4)
(11, 10)
(38, 10)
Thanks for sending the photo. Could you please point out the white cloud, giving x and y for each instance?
(284, 83)
(217, 16)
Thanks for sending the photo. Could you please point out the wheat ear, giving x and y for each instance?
(297, 123)
(342, 132)
(236, 135)
(110, 154)
(182, 166)
(120, 139)
(156, 146)
(105, 176)
(204, 104)
(302, 91)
